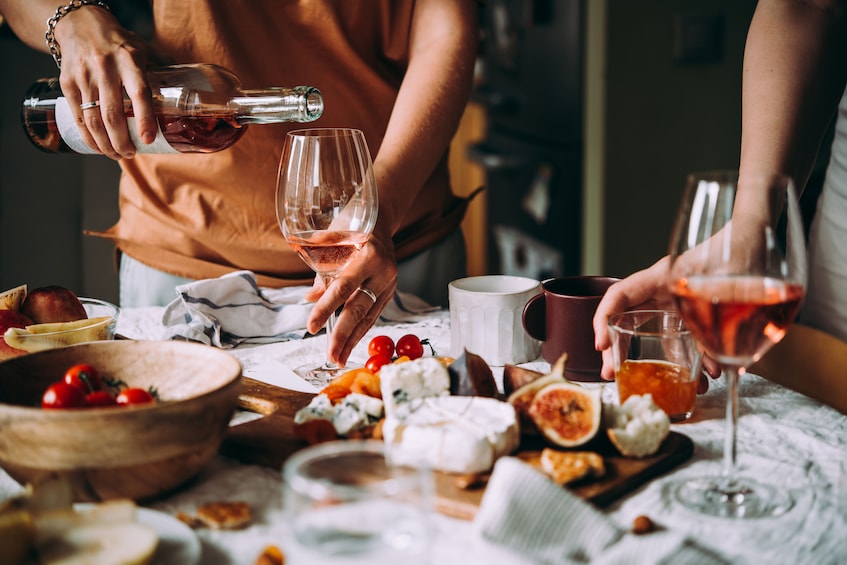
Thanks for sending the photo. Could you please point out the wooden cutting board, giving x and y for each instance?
(270, 440)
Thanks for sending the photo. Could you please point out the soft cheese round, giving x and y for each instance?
(454, 434)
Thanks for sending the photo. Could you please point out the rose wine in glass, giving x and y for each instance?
(738, 276)
(326, 203)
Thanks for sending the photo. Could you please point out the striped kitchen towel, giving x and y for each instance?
(233, 309)
(525, 512)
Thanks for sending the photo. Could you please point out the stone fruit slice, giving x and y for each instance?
(565, 467)
(567, 415)
(53, 304)
(13, 298)
(10, 319)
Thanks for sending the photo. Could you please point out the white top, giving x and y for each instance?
(825, 306)
(782, 436)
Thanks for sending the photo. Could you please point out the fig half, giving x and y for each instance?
(567, 415)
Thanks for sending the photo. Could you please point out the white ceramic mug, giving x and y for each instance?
(485, 318)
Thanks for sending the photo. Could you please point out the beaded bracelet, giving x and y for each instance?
(61, 12)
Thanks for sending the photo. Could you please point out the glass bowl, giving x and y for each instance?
(103, 329)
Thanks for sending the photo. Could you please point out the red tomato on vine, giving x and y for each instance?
(381, 345)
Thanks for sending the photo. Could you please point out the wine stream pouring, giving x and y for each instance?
(200, 108)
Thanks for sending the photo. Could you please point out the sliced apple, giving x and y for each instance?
(51, 327)
(53, 523)
(39, 337)
(13, 298)
(104, 533)
(126, 543)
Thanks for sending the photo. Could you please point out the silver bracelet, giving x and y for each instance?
(61, 12)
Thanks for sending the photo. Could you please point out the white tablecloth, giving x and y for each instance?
(783, 437)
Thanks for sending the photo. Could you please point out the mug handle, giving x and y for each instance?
(534, 317)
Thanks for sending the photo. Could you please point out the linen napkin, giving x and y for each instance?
(526, 513)
(233, 309)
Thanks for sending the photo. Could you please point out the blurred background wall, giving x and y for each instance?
(634, 96)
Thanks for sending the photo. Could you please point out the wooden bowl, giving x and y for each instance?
(138, 452)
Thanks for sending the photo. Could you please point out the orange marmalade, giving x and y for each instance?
(671, 385)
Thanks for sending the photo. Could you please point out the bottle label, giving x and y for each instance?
(71, 136)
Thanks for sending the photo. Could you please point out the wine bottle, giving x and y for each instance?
(201, 108)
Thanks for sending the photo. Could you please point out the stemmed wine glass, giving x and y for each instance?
(737, 275)
(326, 205)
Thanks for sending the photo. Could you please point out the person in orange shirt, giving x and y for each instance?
(400, 70)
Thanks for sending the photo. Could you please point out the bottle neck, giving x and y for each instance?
(273, 105)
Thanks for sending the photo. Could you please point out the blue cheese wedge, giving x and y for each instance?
(402, 383)
(453, 434)
(355, 412)
(320, 408)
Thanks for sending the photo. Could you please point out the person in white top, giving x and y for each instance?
(795, 73)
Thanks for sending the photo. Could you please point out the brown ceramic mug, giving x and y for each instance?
(561, 318)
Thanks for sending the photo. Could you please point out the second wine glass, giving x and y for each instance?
(326, 203)
(738, 275)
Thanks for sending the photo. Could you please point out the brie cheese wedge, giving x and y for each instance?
(453, 434)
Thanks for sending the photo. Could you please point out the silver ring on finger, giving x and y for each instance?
(89, 105)
(368, 292)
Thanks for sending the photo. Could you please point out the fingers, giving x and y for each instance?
(645, 289)
(359, 315)
(360, 312)
(711, 367)
(607, 373)
(101, 62)
(364, 288)
(103, 126)
(702, 384)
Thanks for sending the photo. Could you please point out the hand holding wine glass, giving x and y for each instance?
(326, 203)
(737, 274)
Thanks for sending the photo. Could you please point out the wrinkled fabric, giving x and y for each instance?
(233, 309)
(825, 305)
(530, 515)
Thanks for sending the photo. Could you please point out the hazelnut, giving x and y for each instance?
(643, 525)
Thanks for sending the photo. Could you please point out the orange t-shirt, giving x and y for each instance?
(203, 215)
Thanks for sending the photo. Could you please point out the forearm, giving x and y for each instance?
(429, 105)
(795, 68)
(28, 19)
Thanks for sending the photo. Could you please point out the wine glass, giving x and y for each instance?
(326, 205)
(737, 275)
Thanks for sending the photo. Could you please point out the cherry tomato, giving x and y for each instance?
(62, 395)
(133, 396)
(375, 362)
(84, 377)
(381, 345)
(410, 346)
(100, 398)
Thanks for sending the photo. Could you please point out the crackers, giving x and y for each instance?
(568, 467)
(220, 516)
